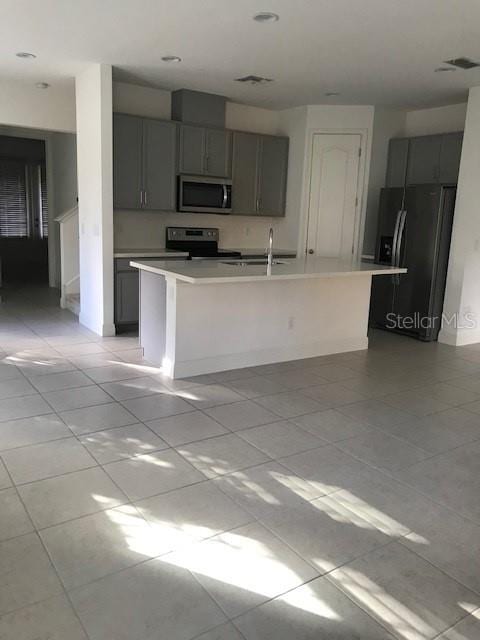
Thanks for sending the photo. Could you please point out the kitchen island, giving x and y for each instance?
(206, 316)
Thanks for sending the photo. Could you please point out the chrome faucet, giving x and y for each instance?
(270, 249)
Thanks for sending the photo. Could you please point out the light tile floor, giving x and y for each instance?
(329, 498)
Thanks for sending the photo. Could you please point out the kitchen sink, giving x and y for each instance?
(249, 263)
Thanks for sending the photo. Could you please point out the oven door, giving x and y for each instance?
(204, 195)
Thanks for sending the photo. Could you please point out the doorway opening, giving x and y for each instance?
(23, 211)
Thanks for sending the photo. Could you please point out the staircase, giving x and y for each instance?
(69, 260)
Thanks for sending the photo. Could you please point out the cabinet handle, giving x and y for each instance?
(206, 163)
(145, 198)
(141, 197)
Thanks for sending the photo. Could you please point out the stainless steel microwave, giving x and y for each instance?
(199, 194)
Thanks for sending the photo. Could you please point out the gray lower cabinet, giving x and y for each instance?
(144, 163)
(397, 162)
(127, 291)
(259, 174)
(204, 151)
(126, 297)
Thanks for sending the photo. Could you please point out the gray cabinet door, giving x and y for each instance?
(126, 297)
(397, 162)
(424, 160)
(127, 161)
(450, 153)
(218, 153)
(245, 173)
(191, 150)
(159, 142)
(272, 176)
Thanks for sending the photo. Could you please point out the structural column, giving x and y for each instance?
(461, 322)
(95, 197)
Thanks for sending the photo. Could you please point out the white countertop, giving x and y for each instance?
(149, 253)
(171, 253)
(216, 272)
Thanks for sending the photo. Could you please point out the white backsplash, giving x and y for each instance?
(141, 229)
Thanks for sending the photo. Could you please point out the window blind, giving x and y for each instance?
(13, 199)
(43, 201)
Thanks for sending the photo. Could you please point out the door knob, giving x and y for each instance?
(311, 251)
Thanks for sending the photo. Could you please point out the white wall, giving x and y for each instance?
(462, 295)
(64, 152)
(95, 180)
(246, 118)
(422, 122)
(23, 105)
(387, 123)
(141, 101)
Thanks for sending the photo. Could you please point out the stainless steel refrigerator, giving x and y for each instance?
(414, 231)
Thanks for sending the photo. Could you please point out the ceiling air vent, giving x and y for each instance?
(254, 79)
(463, 63)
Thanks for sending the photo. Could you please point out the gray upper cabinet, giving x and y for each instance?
(450, 152)
(244, 173)
(218, 153)
(127, 161)
(144, 152)
(272, 179)
(259, 170)
(204, 151)
(397, 162)
(433, 159)
(191, 149)
(159, 142)
(424, 160)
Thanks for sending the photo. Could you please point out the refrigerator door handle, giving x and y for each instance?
(401, 229)
(395, 241)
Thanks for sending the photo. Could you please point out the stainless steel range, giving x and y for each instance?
(200, 242)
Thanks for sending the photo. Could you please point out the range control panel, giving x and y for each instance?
(189, 234)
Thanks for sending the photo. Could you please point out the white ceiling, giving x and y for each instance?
(371, 51)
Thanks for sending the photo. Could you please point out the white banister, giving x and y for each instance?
(69, 258)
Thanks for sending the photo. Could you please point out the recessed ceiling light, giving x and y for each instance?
(266, 16)
(25, 54)
(330, 94)
(42, 85)
(444, 69)
(171, 59)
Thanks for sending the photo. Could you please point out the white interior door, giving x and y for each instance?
(333, 201)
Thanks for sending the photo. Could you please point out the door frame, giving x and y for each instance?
(363, 166)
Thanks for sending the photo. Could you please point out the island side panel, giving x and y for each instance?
(153, 316)
(225, 326)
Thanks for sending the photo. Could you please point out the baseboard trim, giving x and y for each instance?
(104, 330)
(264, 356)
(459, 337)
